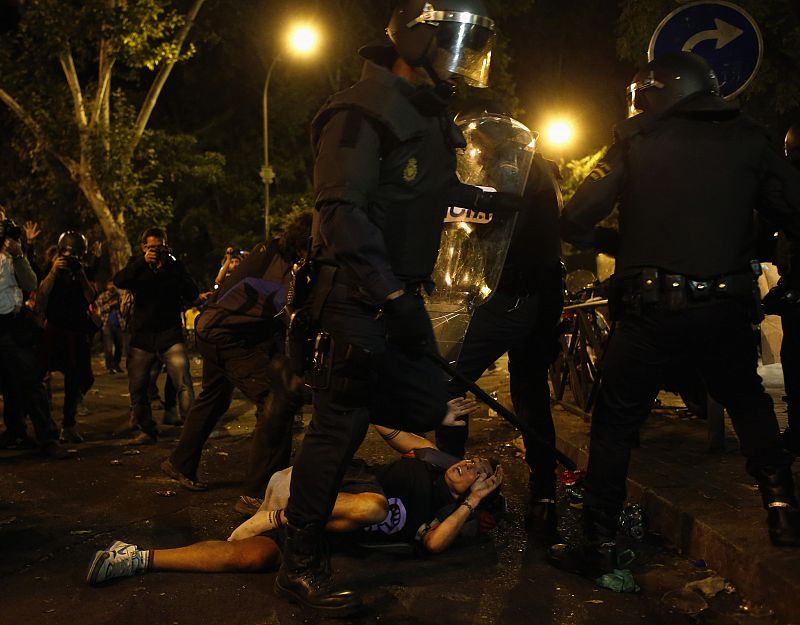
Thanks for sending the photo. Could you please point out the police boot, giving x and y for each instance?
(542, 521)
(596, 554)
(542, 516)
(783, 517)
(305, 576)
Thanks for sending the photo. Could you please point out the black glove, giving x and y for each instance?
(782, 299)
(407, 323)
(499, 202)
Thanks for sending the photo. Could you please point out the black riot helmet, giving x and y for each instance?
(74, 242)
(792, 143)
(671, 80)
(445, 38)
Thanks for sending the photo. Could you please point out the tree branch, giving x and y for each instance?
(16, 108)
(161, 77)
(106, 64)
(68, 65)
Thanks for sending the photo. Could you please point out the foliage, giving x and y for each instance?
(575, 172)
(57, 71)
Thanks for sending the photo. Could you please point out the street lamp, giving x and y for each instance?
(302, 41)
(560, 132)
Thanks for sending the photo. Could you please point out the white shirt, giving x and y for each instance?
(10, 293)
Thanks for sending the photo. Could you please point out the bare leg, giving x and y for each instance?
(254, 554)
(350, 512)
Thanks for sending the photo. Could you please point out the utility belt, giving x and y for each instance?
(653, 289)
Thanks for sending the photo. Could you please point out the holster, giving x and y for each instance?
(309, 288)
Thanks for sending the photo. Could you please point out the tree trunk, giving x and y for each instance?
(117, 244)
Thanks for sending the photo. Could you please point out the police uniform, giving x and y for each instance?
(383, 171)
(686, 179)
(383, 177)
(521, 318)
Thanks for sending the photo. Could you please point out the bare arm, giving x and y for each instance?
(46, 287)
(402, 442)
(405, 442)
(88, 290)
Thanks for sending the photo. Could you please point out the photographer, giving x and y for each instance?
(63, 300)
(160, 286)
(230, 263)
(18, 371)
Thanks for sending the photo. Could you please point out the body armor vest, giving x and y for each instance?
(418, 164)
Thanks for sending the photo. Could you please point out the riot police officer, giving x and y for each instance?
(384, 175)
(687, 171)
(521, 318)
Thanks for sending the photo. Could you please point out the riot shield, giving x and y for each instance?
(474, 245)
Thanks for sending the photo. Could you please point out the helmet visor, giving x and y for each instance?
(636, 103)
(464, 44)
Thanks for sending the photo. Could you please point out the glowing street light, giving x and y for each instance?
(560, 132)
(302, 40)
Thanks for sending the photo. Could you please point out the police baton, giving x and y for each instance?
(509, 416)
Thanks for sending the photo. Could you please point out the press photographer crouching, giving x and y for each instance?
(18, 371)
(160, 287)
(63, 299)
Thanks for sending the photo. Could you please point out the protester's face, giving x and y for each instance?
(109, 286)
(462, 475)
(235, 262)
(151, 243)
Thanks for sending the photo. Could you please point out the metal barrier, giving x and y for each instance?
(582, 345)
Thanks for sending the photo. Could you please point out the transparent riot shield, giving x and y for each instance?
(474, 245)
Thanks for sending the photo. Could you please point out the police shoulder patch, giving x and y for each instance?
(600, 171)
(411, 170)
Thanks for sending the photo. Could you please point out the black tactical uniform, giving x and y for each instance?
(521, 318)
(687, 174)
(384, 175)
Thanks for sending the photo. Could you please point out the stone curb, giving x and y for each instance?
(737, 550)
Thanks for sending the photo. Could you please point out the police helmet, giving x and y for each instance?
(74, 242)
(792, 142)
(445, 37)
(670, 80)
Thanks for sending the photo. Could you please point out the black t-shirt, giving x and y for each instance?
(67, 307)
(416, 492)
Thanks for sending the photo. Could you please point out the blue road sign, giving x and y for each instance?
(722, 33)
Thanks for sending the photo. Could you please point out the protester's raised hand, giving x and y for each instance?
(31, 230)
(457, 408)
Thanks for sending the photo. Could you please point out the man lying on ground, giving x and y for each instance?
(425, 497)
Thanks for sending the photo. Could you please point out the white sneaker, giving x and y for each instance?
(119, 560)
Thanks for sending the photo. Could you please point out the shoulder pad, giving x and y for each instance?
(390, 108)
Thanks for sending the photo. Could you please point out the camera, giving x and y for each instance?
(9, 230)
(164, 254)
(73, 263)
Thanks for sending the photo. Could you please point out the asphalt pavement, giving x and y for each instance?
(55, 514)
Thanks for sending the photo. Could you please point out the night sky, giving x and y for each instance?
(566, 65)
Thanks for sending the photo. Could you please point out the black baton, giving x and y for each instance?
(509, 416)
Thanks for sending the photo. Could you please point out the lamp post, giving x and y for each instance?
(302, 41)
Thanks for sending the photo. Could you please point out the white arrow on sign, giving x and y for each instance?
(724, 34)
